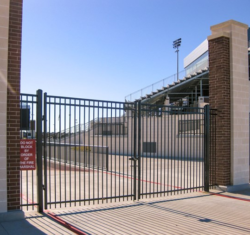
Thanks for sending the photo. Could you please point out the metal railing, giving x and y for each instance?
(172, 150)
(130, 151)
(91, 163)
(154, 87)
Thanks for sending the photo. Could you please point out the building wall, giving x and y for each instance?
(196, 53)
(4, 30)
(162, 130)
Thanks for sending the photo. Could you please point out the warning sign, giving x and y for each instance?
(27, 154)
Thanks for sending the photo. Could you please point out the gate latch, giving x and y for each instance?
(133, 158)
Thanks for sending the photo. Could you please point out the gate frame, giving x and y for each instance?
(136, 157)
(39, 143)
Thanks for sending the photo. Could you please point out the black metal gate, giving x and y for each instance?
(173, 149)
(95, 151)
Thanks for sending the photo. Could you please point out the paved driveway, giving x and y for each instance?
(192, 213)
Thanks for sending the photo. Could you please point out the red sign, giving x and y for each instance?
(27, 154)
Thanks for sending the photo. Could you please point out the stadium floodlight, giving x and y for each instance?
(176, 45)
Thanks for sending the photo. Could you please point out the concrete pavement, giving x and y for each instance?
(191, 213)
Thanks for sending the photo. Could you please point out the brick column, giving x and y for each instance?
(229, 94)
(13, 105)
(219, 98)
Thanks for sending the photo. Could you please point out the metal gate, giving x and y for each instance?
(173, 150)
(95, 151)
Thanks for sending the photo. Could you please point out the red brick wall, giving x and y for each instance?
(13, 105)
(219, 98)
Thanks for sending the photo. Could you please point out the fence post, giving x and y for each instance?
(39, 151)
(139, 148)
(45, 149)
(135, 144)
(206, 147)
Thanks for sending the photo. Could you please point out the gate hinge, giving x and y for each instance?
(43, 187)
(43, 117)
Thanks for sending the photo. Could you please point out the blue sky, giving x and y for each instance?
(107, 49)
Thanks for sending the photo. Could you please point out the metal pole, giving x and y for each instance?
(206, 147)
(39, 152)
(45, 150)
(139, 148)
(201, 93)
(196, 98)
(134, 158)
(177, 64)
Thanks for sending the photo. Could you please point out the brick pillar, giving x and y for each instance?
(219, 98)
(13, 105)
(229, 94)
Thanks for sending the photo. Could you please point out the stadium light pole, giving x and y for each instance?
(176, 45)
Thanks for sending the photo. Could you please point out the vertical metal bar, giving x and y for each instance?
(119, 147)
(79, 151)
(183, 145)
(175, 140)
(21, 136)
(135, 127)
(195, 93)
(98, 151)
(142, 160)
(70, 160)
(50, 136)
(172, 136)
(157, 148)
(93, 128)
(55, 153)
(191, 150)
(166, 123)
(106, 158)
(106, 129)
(85, 131)
(201, 93)
(111, 144)
(75, 149)
(123, 147)
(162, 153)
(115, 125)
(39, 152)
(60, 152)
(155, 171)
(45, 150)
(146, 140)
(66, 151)
(139, 149)
(206, 147)
(32, 115)
(88, 157)
(179, 116)
(150, 153)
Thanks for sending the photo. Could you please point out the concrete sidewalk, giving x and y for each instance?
(192, 213)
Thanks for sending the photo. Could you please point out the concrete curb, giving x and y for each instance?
(12, 215)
